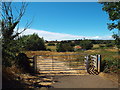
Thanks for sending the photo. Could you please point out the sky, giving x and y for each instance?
(66, 20)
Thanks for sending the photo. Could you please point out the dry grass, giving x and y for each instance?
(53, 48)
(32, 53)
(112, 50)
(13, 78)
(96, 46)
(111, 76)
(92, 51)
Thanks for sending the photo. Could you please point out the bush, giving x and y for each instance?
(23, 62)
(64, 47)
(49, 49)
(109, 45)
(51, 44)
(102, 46)
(86, 44)
(32, 42)
(110, 65)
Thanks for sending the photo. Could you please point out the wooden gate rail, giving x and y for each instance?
(92, 62)
(67, 56)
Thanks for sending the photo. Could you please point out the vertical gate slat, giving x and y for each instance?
(35, 64)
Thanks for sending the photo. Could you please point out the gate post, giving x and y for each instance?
(87, 62)
(35, 64)
(99, 61)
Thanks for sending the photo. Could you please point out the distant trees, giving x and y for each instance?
(64, 47)
(86, 44)
(32, 42)
(102, 41)
(110, 44)
(51, 44)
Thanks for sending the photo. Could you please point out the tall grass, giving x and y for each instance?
(110, 59)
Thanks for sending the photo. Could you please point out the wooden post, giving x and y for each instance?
(35, 64)
(87, 62)
(99, 61)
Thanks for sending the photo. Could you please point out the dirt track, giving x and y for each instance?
(84, 81)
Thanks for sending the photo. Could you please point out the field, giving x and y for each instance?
(98, 45)
(109, 60)
(95, 46)
(52, 48)
(32, 53)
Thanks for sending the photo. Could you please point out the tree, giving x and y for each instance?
(113, 10)
(9, 29)
(63, 47)
(86, 44)
(32, 42)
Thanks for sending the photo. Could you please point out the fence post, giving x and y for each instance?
(99, 61)
(35, 64)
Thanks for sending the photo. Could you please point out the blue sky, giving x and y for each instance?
(78, 19)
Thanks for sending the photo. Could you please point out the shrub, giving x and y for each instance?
(110, 65)
(32, 42)
(86, 44)
(51, 44)
(64, 47)
(49, 49)
(109, 45)
(23, 62)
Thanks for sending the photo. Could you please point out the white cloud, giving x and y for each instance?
(61, 36)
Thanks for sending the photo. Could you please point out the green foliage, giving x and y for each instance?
(64, 47)
(24, 63)
(9, 31)
(49, 49)
(102, 46)
(117, 40)
(102, 41)
(51, 44)
(9, 51)
(109, 45)
(110, 65)
(32, 42)
(86, 44)
(113, 10)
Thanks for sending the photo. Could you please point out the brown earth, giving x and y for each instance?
(84, 81)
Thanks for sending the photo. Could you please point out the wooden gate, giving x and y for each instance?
(68, 64)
